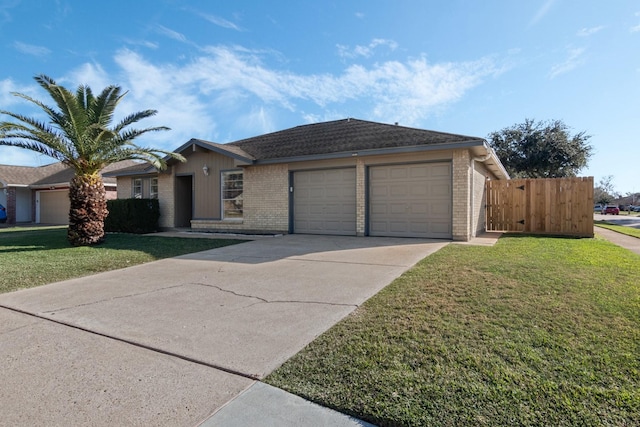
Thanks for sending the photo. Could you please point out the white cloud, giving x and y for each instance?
(31, 49)
(171, 33)
(635, 29)
(20, 157)
(7, 87)
(541, 12)
(220, 22)
(235, 86)
(574, 60)
(365, 51)
(586, 32)
(226, 80)
(5, 10)
(143, 43)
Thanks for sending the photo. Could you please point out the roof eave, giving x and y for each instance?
(5, 184)
(211, 147)
(376, 151)
(48, 185)
(142, 172)
(498, 168)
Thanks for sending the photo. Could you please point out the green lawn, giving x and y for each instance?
(533, 331)
(629, 231)
(34, 256)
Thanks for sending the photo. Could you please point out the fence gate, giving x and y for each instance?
(559, 206)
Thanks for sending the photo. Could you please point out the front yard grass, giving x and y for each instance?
(629, 231)
(35, 256)
(533, 331)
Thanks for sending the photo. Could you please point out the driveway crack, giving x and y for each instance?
(266, 301)
(111, 299)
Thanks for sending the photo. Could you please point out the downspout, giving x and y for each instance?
(483, 158)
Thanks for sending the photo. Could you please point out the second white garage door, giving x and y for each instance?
(324, 202)
(411, 200)
(54, 207)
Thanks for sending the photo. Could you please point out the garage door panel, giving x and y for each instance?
(378, 191)
(442, 171)
(440, 228)
(441, 190)
(420, 208)
(324, 202)
(410, 200)
(418, 172)
(439, 210)
(54, 207)
(419, 227)
(419, 191)
(399, 191)
(398, 208)
(398, 173)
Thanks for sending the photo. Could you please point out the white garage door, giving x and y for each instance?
(324, 202)
(410, 200)
(54, 207)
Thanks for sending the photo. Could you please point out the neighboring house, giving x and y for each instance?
(41, 194)
(344, 177)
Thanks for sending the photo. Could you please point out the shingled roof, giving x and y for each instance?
(344, 136)
(52, 174)
(334, 139)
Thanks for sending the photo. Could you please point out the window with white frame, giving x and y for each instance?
(137, 188)
(231, 194)
(153, 188)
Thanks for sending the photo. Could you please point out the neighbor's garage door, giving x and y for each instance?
(54, 207)
(324, 202)
(410, 200)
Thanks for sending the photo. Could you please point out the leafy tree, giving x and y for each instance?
(80, 134)
(541, 149)
(604, 192)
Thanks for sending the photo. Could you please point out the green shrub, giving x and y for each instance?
(132, 216)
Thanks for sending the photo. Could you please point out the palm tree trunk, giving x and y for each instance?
(88, 210)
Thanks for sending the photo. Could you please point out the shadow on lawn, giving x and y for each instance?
(34, 240)
(543, 236)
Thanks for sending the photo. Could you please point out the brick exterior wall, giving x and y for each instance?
(266, 190)
(461, 195)
(11, 205)
(266, 194)
(124, 187)
(361, 192)
(478, 201)
(266, 203)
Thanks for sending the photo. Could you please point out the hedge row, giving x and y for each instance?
(132, 216)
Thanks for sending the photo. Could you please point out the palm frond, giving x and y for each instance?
(105, 104)
(134, 118)
(35, 146)
(79, 131)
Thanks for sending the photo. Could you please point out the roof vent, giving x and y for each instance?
(396, 123)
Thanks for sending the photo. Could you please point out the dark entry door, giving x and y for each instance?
(184, 200)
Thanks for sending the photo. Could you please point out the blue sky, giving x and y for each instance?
(226, 70)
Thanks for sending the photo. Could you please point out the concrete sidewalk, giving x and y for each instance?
(628, 242)
(173, 341)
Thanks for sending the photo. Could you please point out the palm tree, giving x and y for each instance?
(80, 134)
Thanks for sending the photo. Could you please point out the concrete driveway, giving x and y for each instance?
(171, 342)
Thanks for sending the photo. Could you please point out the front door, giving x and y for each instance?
(184, 200)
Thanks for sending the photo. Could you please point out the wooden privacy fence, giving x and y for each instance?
(559, 206)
